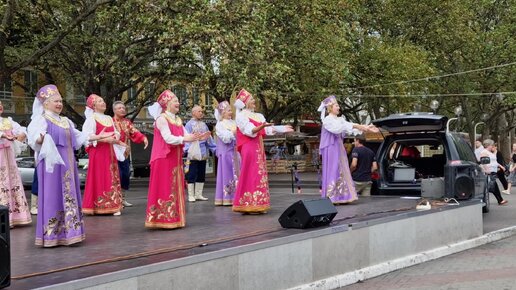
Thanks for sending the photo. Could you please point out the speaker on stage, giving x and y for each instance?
(5, 260)
(308, 214)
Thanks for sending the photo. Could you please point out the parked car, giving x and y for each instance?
(419, 150)
(140, 157)
(26, 170)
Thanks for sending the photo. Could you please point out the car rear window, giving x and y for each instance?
(464, 149)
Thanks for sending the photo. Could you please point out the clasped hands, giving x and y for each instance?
(12, 137)
(196, 136)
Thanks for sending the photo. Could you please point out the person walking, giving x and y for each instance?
(363, 163)
(512, 171)
(491, 170)
(501, 168)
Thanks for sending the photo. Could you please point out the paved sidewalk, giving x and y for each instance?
(491, 266)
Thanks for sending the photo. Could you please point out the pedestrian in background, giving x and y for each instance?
(512, 171)
(363, 164)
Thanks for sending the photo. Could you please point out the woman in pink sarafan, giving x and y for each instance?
(166, 199)
(252, 193)
(11, 188)
(337, 183)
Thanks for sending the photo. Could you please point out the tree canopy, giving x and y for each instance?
(289, 54)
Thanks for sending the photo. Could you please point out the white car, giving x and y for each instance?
(26, 170)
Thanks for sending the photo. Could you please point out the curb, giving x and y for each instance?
(353, 277)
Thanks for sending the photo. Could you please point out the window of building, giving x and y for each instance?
(182, 95)
(132, 92)
(6, 91)
(30, 83)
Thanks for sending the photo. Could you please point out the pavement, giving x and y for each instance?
(490, 266)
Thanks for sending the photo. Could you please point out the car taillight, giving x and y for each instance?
(455, 162)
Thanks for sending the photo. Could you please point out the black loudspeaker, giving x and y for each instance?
(5, 259)
(459, 182)
(308, 214)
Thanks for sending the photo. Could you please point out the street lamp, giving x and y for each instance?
(475, 129)
(458, 112)
(434, 105)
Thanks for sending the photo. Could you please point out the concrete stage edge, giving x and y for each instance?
(304, 257)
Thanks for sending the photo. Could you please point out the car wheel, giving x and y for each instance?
(485, 208)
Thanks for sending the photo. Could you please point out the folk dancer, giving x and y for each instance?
(102, 193)
(337, 183)
(166, 199)
(252, 193)
(228, 166)
(54, 139)
(12, 194)
(128, 133)
(197, 154)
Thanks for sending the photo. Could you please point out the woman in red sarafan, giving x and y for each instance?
(166, 199)
(102, 193)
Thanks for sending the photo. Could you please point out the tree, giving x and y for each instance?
(24, 38)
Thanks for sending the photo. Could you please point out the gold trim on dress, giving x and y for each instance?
(63, 123)
(177, 121)
(5, 124)
(106, 122)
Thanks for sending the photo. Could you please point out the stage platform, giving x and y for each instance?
(220, 249)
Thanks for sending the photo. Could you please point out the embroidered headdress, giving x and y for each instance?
(42, 95)
(161, 103)
(90, 105)
(331, 100)
(224, 105)
(241, 99)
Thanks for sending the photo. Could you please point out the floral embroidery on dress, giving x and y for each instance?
(165, 208)
(68, 219)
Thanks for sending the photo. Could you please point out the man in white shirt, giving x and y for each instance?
(491, 169)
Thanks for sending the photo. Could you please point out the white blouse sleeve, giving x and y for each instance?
(36, 128)
(88, 130)
(162, 125)
(80, 139)
(17, 129)
(223, 133)
(337, 125)
(245, 126)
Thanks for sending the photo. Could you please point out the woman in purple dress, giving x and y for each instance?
(228, 158)
(54, 139)
(337, 183)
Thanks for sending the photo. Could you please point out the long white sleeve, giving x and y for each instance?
(245, 126)
(36, 128)
(223, 133)
(17, 129)
(162, 125)
(89, 129)
(338, 125)
(80, 138)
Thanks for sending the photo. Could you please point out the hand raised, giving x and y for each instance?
(288, 129)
